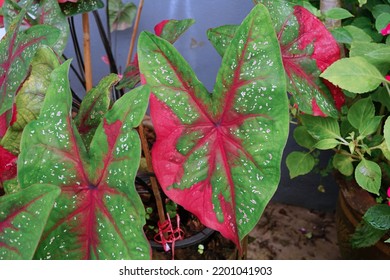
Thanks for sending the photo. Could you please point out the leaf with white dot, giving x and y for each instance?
(211, 149)
(90, 218)
(23, 216)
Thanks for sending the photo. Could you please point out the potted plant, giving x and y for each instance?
(75, 179)
(216, 154)
(359, 135)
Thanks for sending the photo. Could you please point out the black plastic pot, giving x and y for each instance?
(190, 241)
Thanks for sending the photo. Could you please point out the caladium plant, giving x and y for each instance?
(218, 154)
(307, 47)
(98, 214)
(27, 105)
(20, 103)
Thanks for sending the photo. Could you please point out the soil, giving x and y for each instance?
(287, 232)
(284, 232)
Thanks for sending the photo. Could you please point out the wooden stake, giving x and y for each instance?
(87, 52)
(153, 180)
(135, 29)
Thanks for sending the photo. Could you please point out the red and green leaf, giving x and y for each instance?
(308, 48)
(40, 12)
(170, 30)
(29, 100)
(7, 166)
(218, 155)
(80, 7)
(93, 107)
(23, 216)
(3, 123)
(98, 214)
(19, 48)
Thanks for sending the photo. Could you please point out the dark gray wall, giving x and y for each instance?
(195, 47)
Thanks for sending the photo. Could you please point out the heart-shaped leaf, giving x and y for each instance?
(218, 155)
(19, 48)
(23, 216)
(93, 107)
(40, 12)
(308, 48)
(98, 214)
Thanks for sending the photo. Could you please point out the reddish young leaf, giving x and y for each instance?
(98, 214)
(218, 155)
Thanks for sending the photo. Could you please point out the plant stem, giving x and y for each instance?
(134, 35)
(155, 188)
(87, 52)
(244, 247)
(326, 5)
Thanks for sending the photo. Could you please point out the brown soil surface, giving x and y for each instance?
(283, 233)
(287, 232)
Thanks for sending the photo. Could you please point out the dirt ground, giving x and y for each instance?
(293, 233)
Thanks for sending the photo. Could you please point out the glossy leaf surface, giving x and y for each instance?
(23, 216)
(98, 214)
(218, 155)
(19, 48)
(307, 47)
